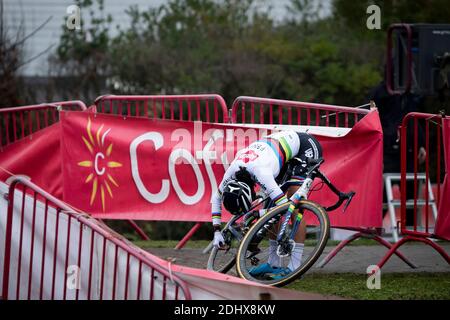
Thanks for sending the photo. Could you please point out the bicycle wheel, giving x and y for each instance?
(259, 245)
(221, 260)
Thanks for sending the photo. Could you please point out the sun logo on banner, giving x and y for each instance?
(100, 163)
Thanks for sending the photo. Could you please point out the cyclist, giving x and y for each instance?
(264, 162)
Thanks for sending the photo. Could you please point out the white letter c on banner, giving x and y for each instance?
(162, 195)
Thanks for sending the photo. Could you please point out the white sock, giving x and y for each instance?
(274, 259)
(296, 256)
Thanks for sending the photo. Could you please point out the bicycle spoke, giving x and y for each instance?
(266, 260)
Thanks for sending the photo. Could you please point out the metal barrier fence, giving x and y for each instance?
(274, 111)
(433, 164)
(200, 107)
(420, 130)
(44, 237)
(212, 108)
(18, 122)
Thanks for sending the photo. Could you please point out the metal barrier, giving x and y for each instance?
(428, 128)
(366, 233)
(18, 122)
(199, 107)
(274, 111)
(84, 242)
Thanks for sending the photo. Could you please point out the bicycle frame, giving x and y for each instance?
(302, 193)
(269, 204)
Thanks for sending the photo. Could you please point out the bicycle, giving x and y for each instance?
(276, 225)
(223, 259)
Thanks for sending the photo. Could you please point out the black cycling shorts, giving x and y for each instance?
(309, 148)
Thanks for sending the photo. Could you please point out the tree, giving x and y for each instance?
(190, 46)
(82, 56)
(12, 59)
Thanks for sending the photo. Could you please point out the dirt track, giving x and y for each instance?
(354, 259)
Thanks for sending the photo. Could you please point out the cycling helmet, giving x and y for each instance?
(237, 197)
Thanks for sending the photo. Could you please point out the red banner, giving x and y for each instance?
(443, 218)
(134, 168)
(36, 156)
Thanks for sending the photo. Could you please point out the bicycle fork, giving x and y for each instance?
(301, 193)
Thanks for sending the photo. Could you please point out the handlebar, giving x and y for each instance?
(342, 197)
(314, 171)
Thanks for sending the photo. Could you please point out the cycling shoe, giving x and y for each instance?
(280, 273)
(263, 269)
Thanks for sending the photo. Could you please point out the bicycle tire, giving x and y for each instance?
(229, 262)
(324, 223)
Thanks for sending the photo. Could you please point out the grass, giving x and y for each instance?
(394, 286)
